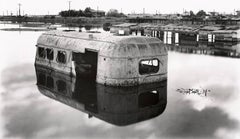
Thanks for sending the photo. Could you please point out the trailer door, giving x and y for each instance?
(86, 64)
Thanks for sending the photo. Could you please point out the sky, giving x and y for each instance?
(32, 7)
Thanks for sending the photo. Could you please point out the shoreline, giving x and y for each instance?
(66, 21)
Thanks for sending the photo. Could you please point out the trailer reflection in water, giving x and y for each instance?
(116, 105)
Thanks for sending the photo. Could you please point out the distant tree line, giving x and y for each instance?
(88, 12)
(74, 13)
(114, 13)
(202, 14)
(199, 14)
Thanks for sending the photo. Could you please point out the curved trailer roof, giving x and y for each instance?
(106, 44)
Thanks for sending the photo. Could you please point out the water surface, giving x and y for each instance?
(26, 113)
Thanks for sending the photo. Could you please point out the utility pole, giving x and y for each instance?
(69, 7)
(97, 11)
(19, 9)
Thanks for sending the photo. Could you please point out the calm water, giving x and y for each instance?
(26, 112)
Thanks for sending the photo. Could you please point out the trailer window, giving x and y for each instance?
(148, 66)
(61, 57)
(41, 79)
(149, 98)
(61, 86)
(49, 54)
(41, 52)
(50, 82)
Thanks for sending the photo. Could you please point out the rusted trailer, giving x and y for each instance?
(109, 59)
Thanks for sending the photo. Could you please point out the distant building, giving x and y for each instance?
(98, 13)
(139, 15)
(213, 13)
(123, 29)
(186, 13)
(238, 12)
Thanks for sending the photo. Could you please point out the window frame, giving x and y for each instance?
(49, 57)
(41, 79)
(65, 57)
(61, 86)
(152, 71)
(39, 54)
(49, 82)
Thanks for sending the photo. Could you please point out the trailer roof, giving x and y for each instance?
(105, 43)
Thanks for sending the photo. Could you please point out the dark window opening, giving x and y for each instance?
(61, 57)
(50, 82)
(41, 52)
(49, 54)
(41, 79)
(86, 64)
(61, 86)
(148, 66)
(147, 99)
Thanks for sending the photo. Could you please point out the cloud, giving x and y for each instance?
(29, 114)
(47, 118)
